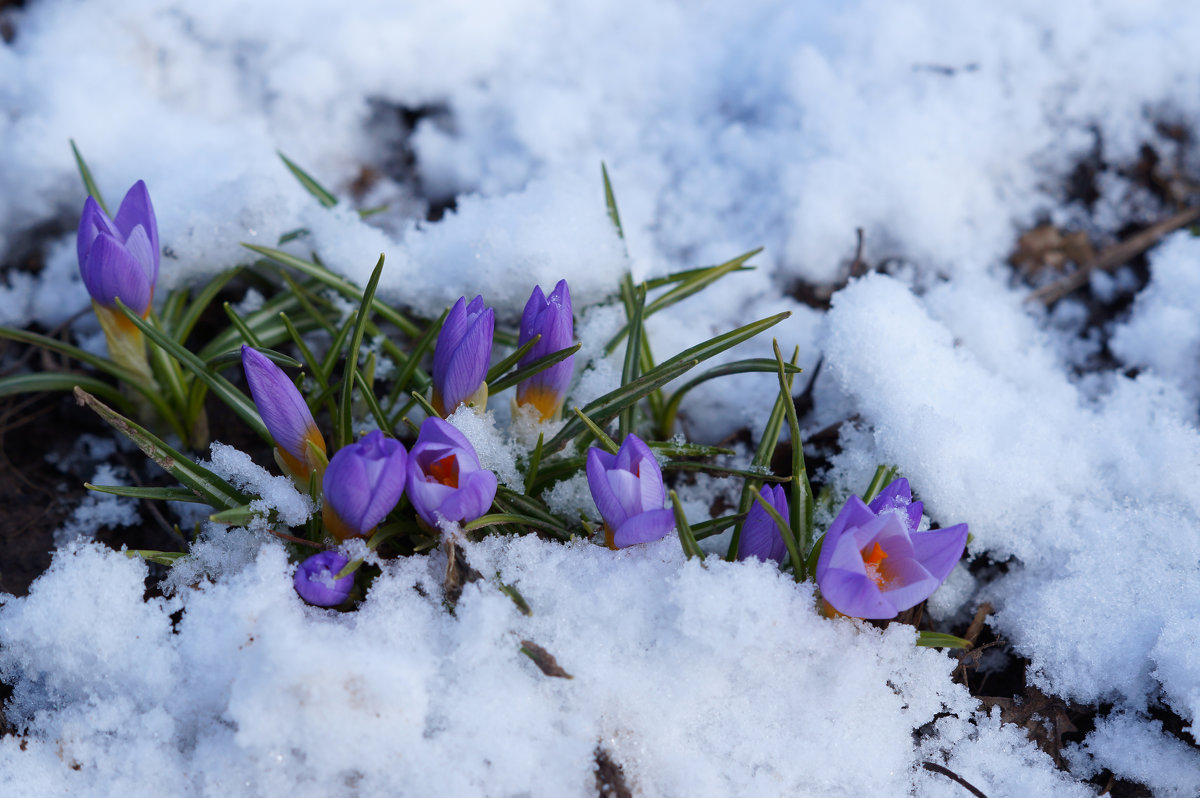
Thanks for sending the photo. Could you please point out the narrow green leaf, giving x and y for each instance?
(686, 539)
(234, 516)
(514, 595)
(181, 327)
(223, 388)
(216, 491)
(610, 201)
(373, 407)
(691, 465)
(339, 284)
(494, 519)
(89, 183)
(345, 434)
(687, 274)
(337, 345)
(167, 558)
(367, 213)
(601, 436)
(714, 526)
(410, 367)
(154, 494)
(884, 474)
(687, 449)
(747, 366)
(424, 403)
(631, 369)
(535, 460)
(265, 323)
(534, 367)
(61, 381)
(940, 640)
(504, 365)
(247, 334)
(306, 180)
(800, 500)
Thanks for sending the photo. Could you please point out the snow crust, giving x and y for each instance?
(939, 128)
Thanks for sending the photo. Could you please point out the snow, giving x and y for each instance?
(938, 128)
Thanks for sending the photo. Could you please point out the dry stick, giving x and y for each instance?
(858, 267)
(950, 774)
(1115, 256)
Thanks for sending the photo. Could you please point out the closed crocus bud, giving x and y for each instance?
(362, 483)
(316, 581)
(286, 415)
(760, 534)
(628, 490)
(549, 317)
(874, 564)
(118, 258)
(462, 355)
(445, 478)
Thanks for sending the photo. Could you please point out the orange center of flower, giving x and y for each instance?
(545, 401)
(444, 471)
(873, 561)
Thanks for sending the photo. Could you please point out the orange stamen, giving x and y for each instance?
(444, 471)
(873, 561)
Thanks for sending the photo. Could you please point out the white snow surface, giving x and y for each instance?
(939, 128)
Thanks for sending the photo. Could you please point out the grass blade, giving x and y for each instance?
(310, 185)
(61, 381)
(535, 367)
(89, 183)
(155, 494)
(747, 366)
(686, 539)
(345, 421)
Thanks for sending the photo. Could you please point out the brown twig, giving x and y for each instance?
(857, 267)
(981, 614)
(950, 774)
(1116, 255)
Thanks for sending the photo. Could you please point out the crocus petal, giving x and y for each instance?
(628, 491)
(92, 222)
(136, 209)
(440, 433)
(281, 406)
(426, 497)
(906, 583)
(314, 579)
(853, 514)
(468, 364)
(855, 595)
(111, 272)
(915, 511)
(474, 497)
(365, 480)
(760, 534)
(598, 465)
(644, 527)
(534, 307)
(889, 531)
(938, 550)
(896, 494)
(138, 244)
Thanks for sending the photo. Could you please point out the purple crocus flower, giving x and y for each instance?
(760, 534)
(286, 415)
(445, 478)
(461, 356)
(118, 258)
(551, 318)
(362, 484)
(628, 490)
(874, 564)
(316, 583)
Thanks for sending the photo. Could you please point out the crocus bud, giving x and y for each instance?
(362, 484)
(628, 490)
(316, 581)
(551, 318)
(760, 534)
(461, 356)
(118, 258)
(874, 564)
(286, 415)
(445, 478)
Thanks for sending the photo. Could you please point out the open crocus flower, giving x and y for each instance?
(118, 259)
(316, 581)
(286, 415)
(362, 483)
(874, 564)
(760, 534)
(445, 478)
(628, 490)
(549, 317)
(461, 356)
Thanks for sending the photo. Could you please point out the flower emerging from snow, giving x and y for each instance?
(551, 318)
(445, 478)
(760, 534)
(362, 484)
(299, 447)
(874, 564)
(118, 258)
(461, 356)
(316, 583)
(628, 490)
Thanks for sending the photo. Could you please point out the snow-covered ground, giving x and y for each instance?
(941, 129)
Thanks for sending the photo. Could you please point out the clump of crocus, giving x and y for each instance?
(551, 318)
(362, 483)
(461, 356)
(118, 259)
(760, 534)
(874, 564)
(445, 478)
(299, 447)
(628, 490)
(316, 579)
